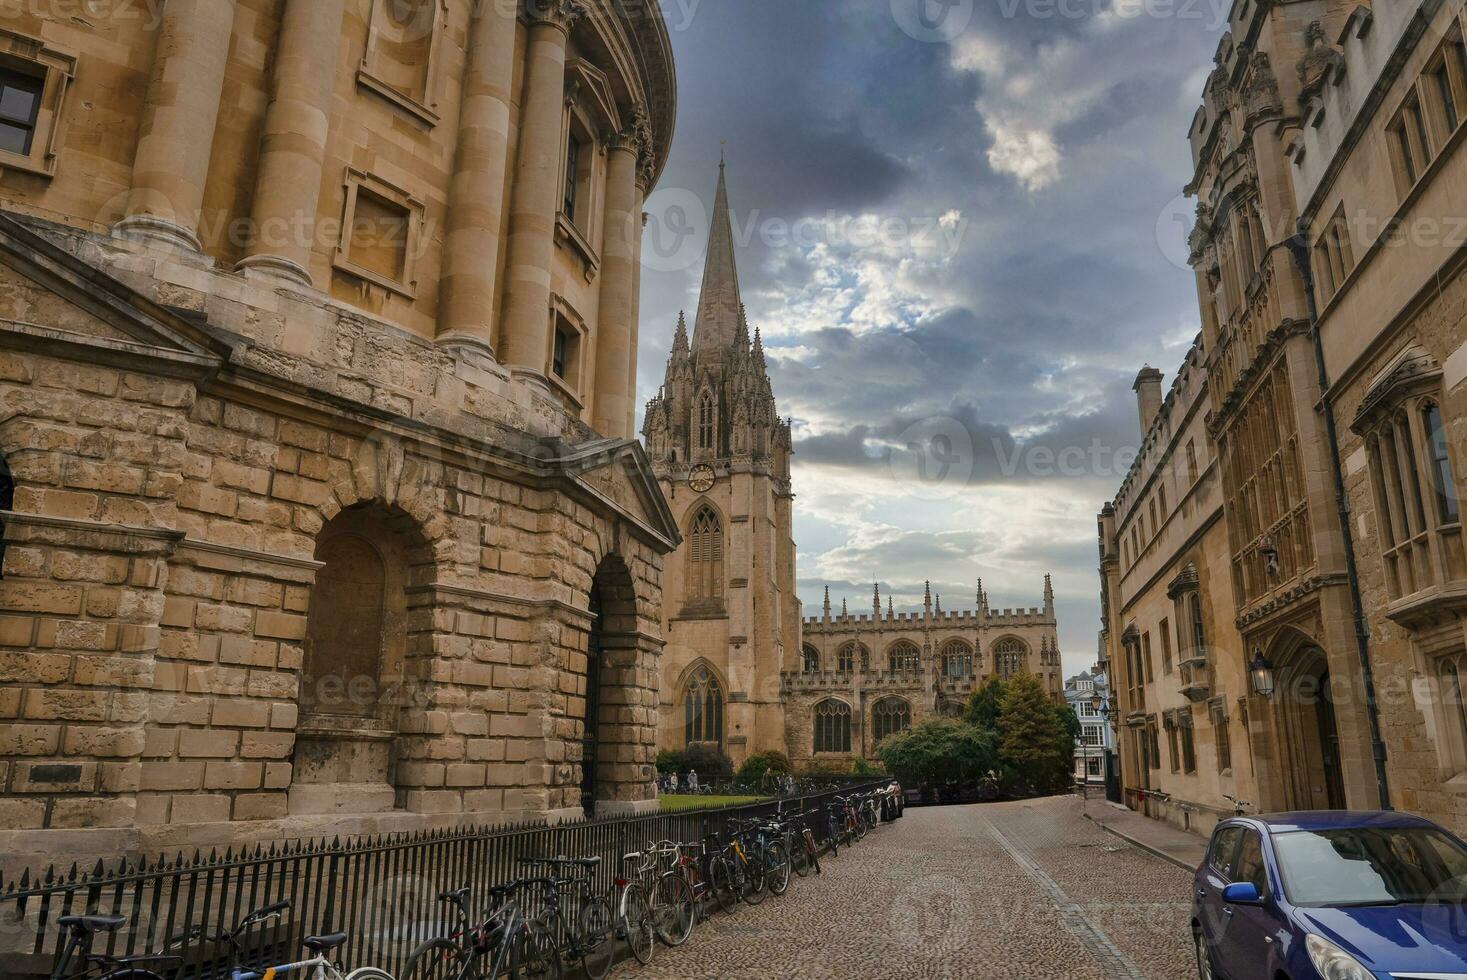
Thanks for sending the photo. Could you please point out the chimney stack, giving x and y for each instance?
(1148, 396)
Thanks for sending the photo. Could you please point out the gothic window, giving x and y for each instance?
(956, 659)
(707, 423)
(1010, 656)
(1222, 736)
(1418, 516)
(1267, 511)
(890, 716)
(703, 709)
(849, 654)
(812, 659)
(903, 658)
(832, 726)
(705, 556)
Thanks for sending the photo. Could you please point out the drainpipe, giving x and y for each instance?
(1299, 249)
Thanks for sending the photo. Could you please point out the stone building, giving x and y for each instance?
(1381, 179)
(721, 454)
(863, 677)
(1180, 699)
(1329, 266)
(317, 348)
(1095, 743)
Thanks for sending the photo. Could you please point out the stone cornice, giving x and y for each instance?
(1281, 601)
(17, 526)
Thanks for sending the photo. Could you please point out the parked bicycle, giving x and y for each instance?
(81, 929)
(507, 943)
(588, 932)
(319, 966)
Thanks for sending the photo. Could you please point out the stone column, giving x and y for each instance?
(639, 200)
(176, 137)
(293, 143)
(476, 197)
(618, 282)
(525, 334)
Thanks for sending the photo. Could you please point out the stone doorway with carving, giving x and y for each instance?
(358, 650)
(1310, 775)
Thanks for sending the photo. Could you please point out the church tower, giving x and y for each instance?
(722, 456)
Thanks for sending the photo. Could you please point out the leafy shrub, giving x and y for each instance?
(709, 761)
(760, 764)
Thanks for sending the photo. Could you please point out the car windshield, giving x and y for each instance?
(1372, 866)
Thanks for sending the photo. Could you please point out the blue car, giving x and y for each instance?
(1331, 895)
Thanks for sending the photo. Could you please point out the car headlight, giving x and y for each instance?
(1332, 962)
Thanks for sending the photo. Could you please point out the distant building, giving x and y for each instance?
(863, 677)
(1095, 736)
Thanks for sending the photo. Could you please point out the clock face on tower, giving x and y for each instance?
(701, 479)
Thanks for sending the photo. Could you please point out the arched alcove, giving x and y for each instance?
(611, 777)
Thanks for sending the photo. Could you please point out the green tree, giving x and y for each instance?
(940, 752)
(983, 706)
(1034, 744)
(760, 764)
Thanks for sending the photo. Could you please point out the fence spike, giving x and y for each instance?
(71, 875)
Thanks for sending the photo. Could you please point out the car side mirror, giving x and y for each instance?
(1242, 893)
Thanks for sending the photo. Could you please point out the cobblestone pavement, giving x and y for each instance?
(1028, 891)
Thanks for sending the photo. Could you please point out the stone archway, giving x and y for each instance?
(618, 723)
(359, 658)
(1306, 733)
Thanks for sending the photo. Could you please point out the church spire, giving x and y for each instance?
(719, 304)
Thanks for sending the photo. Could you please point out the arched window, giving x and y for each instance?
(812, 659)
(890, 716)
(832, 726)
(903, 658)
(849, 654)
(705, 556)
(1010, 656)
(707, 422)
(703, 709)
(956, 659)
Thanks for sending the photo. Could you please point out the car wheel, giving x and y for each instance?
(1204, 958)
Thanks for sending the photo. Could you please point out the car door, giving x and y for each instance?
(1212, 879)
(1248, 930)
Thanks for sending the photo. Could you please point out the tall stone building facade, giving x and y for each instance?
(863, 677)
(1331, 180)
(721, 455)
(317, 348)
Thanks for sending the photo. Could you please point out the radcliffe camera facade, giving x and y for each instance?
(318, 368)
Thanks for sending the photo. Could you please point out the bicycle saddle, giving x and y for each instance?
(91, 923)
(589, 863)
(324, 944)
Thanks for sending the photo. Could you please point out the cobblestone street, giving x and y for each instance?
(1026, 890)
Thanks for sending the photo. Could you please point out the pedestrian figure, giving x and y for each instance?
(693, 781)
(672, 783)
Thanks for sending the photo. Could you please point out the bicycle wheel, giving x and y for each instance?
(833, 836)
(755, 880)
(776, 867)
(677, 909)
(799, 856)
(368, 973)
(596, 937)
(722, 884)
(535, 955)
(858, 827)
(636, 920)
(812, 850)
(437, 959)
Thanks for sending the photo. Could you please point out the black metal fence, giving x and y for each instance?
(382, 891)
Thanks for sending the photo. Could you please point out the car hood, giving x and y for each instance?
(1396, 938)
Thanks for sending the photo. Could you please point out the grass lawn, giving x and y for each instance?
(683, 802)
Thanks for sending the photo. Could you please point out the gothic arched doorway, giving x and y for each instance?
(1308, 734)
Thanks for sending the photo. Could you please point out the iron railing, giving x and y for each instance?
(380, 890)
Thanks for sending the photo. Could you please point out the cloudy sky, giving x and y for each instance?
(959, 230)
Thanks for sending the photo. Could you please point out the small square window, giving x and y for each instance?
(381, 225)
(34, 80)
(562, 348)
(572, 176)
(20, 108)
